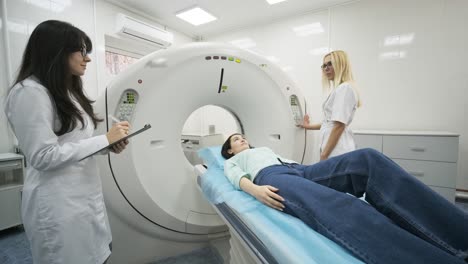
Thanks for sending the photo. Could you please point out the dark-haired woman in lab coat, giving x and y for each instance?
(63, 209)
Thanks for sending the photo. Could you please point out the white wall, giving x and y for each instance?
(424, 89)
(5, 145)
(23, 17)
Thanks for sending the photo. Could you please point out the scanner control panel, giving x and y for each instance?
(127, 104)
(296, 109)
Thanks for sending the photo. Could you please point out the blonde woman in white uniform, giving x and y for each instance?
(63, 209)
(338, 108)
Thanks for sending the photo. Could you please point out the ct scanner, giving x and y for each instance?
(154, 206)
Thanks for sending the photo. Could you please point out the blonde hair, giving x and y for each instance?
(343, 73)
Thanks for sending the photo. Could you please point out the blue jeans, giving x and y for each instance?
(404, 221)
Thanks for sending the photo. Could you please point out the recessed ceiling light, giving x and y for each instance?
(272, 2)
(196, 16)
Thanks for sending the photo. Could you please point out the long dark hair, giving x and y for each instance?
(46, 58)
(227, 146)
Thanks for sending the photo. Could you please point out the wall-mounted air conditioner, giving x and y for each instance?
(135, 29)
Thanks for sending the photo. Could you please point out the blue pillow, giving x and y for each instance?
(212, 157)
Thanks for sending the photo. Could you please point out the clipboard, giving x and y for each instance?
(144, 128)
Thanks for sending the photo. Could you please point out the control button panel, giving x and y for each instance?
(296, 109)
(127, 104)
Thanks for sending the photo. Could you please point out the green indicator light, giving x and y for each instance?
(231, 59)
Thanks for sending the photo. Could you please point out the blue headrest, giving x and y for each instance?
(212, 156)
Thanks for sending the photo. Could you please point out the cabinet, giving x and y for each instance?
(429, 156)
(11, 184)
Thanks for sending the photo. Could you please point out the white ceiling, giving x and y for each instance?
(231, 14)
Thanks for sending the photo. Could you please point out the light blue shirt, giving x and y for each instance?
(249, 162)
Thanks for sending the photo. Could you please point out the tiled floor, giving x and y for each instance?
(14, 249)
(202, 256)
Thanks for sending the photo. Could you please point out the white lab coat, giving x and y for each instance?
(63, 209)
(340, 105)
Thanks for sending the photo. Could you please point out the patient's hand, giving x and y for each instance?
(264, 193)
(267, 195)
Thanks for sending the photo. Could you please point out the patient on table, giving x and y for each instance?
(403, 220)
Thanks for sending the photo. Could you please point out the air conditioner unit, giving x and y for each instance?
(132, 28)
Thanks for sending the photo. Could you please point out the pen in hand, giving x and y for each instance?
(114, 119)
(119, 147)
(125, 124)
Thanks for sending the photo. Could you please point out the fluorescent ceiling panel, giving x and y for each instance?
(196, 16)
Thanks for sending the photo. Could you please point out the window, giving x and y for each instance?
(116, 63)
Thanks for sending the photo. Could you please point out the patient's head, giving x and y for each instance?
(233, 145)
